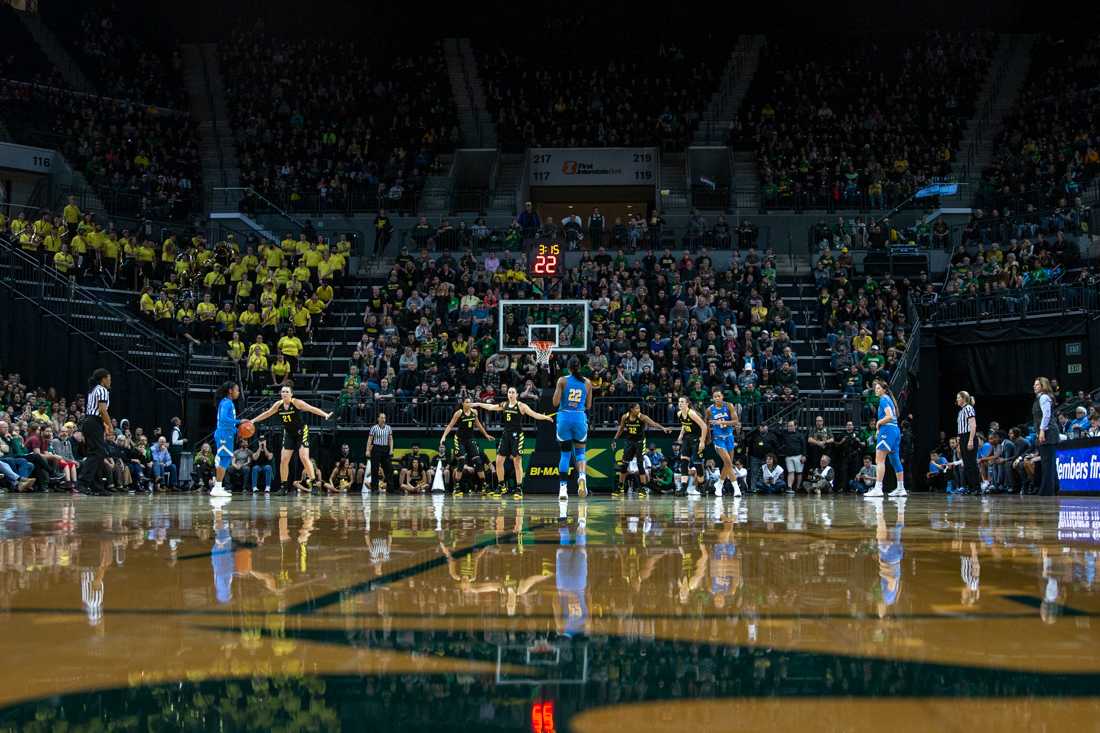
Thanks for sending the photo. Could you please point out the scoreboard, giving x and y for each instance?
(546, 259)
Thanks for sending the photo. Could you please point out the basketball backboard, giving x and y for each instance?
(542, 662)
(564, 322)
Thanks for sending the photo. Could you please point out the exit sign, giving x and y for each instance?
(1073, 369)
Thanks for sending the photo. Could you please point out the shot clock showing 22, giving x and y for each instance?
(546, 259)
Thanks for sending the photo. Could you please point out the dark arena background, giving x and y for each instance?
(549, 367)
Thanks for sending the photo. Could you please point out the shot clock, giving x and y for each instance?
(545, 260)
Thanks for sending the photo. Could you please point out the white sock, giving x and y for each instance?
(878, 486)
(901, 485)
(563, 486)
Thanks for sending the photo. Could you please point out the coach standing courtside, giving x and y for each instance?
(380, 452)
(1046, 434)
(967, 424)
(96, 425)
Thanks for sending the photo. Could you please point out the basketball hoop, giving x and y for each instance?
(543, 349)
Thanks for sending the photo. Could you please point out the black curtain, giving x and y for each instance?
(46, 353)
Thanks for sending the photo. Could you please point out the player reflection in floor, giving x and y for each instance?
(571, 577)
(889, 555)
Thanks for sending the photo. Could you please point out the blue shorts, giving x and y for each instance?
(223, 448)
(889, 438)
(572, 426)
(725, 442)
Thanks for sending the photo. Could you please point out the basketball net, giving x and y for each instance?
(543, 350)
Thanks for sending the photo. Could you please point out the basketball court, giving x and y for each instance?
(440, 613)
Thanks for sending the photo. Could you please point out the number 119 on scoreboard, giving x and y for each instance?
(545, 260)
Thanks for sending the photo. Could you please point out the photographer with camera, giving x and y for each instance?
(261, 466)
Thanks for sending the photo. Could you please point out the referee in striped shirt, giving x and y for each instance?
(967, 424)
(380, 452)
(95, 427)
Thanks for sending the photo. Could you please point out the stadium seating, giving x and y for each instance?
(585, 95)
(142, 162)
(20, 57)
(1049, 151)
(858, 121)
(326, 124)
(123, 57)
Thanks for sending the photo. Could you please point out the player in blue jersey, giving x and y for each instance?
(888, 442)
(225, 434)
(723, 419)
(573, 398)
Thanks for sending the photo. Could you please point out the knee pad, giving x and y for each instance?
(895, 461)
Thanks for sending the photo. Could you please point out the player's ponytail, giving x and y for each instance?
(224, 390)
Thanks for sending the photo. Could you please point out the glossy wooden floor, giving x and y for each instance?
(395, 613)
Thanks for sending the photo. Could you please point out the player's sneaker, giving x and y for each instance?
(582, 486)
(219, 491)
(896, 493)
(693, 492)
(563, 494)
(736, 491)
(873, 494)
(718, 489)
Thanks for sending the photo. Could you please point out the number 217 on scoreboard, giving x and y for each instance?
(545, 260)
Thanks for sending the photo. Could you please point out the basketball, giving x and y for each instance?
(246, 429)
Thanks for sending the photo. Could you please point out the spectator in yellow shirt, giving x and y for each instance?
(71, 215)
(861, 342)
(269, 322)
(235, 348)
(63, 262)
(290, 346)
(146, 305)
(226, 320)
(280, 370)
(302, 273)
(244, 290)
(257, 369)
(324, 292)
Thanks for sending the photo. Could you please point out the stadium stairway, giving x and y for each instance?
(674, 180)
(746, 183)
(206, 95)
(475, 122)
(56, 53)
(998, 96)
(505, 201)
(723, 106)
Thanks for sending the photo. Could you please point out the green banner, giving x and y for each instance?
(601, 463)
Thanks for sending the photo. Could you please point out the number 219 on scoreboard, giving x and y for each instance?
(545, 260)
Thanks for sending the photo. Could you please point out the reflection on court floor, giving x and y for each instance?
(354, 612)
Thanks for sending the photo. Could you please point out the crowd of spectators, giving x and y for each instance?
(1049, 151)
(121, 55)
(21, 58)
(41, 446)
(860, 120)
(584, 95)
(661, 326)
(256, 302)
(866, 323)
(999, 257)
(143, 162)
(324, 123)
